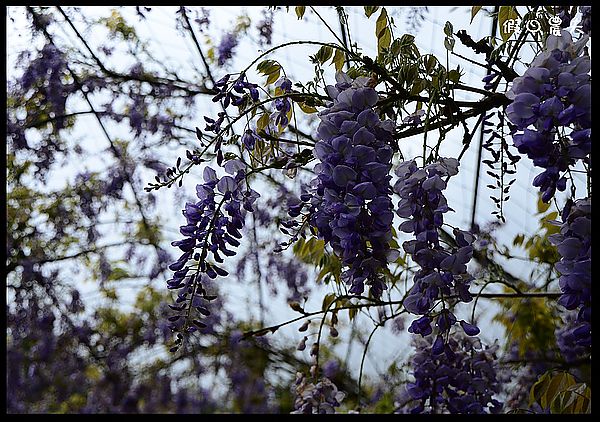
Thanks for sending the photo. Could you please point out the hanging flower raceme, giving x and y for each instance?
(282, 105)
(321, 398)
(444, 379)
(443, 271)
(462, 379)
(349, 200)
(46, 74)
(575, 266)
(212, 229)
(265, 28)
(568, 339)
(250, 389)
(553, 94)
(586, 19)
(228, 42)
(565, 16)
(236, 93)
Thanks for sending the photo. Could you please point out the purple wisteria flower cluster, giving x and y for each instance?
(553, 94)
(265, 28)
(567, 341)
(586, 19)
(224, 92)
(42, 91)
(349, 200)
(443, 273)
(321, 398)
(248, 386)
(47, 73)
(282, 105)
(228, 42)
(563, 13)
(521, 372)
(238, 93)
(574, 244)
(204, 20)
(452, 373)
(461, 379)
(213, 224)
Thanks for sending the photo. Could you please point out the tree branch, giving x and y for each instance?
(113, 147)
(493, 101)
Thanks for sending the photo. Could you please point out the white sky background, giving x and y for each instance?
(179, 52)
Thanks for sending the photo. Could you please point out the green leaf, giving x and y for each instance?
(339, 59)
(323, 273)
(369, 10)
(324, 54)
(557, 384)
(474, 11)
(384, 40)
(396, 47)
(381, 22)
(519, 239)
(519, 411)
(300, 11)
(504, 14)
(118, 273)
(409, 73)
(541, 205)
(353, 72)
(536, 389)
(110, 293)
(327, 300)
(449, 43)
(262, 122)
(306, 108)
(211, 54)
(454, 76)
(548, 387)
(352, 313)
(448, 29)
(430, 63)
(272, 78)
(268, 67)
(382, 32)
(310, 251)
(575, 399)
(296, 307)
(262, 66)
(418, 86)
